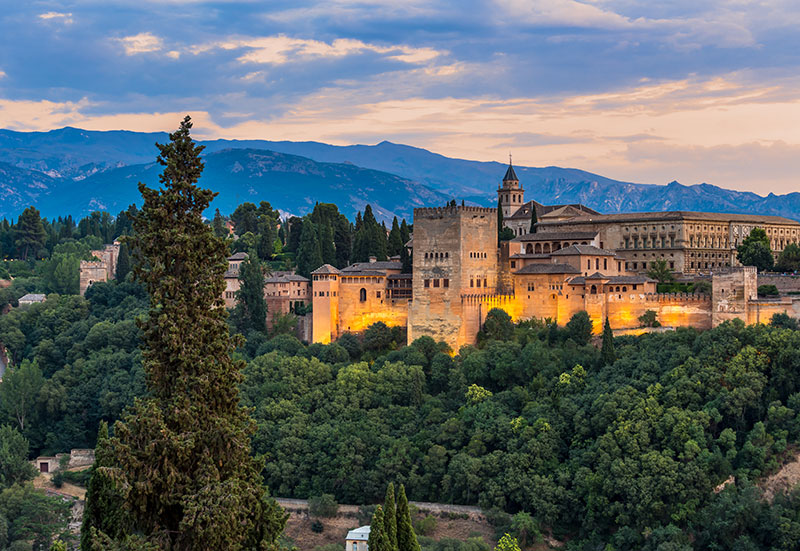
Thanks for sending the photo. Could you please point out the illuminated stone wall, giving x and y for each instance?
(92, 272)
(355, 314)
(325, 313)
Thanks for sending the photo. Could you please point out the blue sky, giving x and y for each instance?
(643, 91)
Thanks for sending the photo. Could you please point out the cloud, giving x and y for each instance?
(281, 49)
(65, 18)
(2, 74)
(141, 43)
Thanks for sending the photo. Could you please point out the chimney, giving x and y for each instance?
(373, 259)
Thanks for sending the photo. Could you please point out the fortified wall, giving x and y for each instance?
(102, 269)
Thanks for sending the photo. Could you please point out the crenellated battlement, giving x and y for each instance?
(491, 298)
(439, 212)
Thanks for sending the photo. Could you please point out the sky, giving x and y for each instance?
(642, 91)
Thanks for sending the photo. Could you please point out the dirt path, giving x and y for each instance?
(786, 478)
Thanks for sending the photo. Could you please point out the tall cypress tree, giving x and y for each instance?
(390, 518)
(123, 263)
(182, 453)
(534, 218)
(406, 538)
(218, 224)
(250, 313)
(377, 536)
(309, 257)
(30, 233)
(607, 352)
(104, 502)
(396, 243)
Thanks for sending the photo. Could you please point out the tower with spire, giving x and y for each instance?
(510, 195)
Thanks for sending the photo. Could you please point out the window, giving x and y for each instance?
(427, 283)
(605, 264)
(593, 290)
(513, 263)
(471, 283)
(378, 294)
(362, 294)
(435, 282)
(477, 282)
(445, 282)
(484, 282)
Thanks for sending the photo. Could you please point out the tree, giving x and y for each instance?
(123, 262)
(534, 219)
(648, 319)
(19, 391)
(406, 538)
(507, 543)
(405, 256)
(526, 528)
(377, 540)
(30, 234)
(390, 518)
(250, 313)
(14, 465)
(789, 259)
(104, 509)
(579, 328)
(218, 224)
(182, 453)
(659, 270)
(498, 326)
(607, 351)
(396, 243)
(33, 517)
(756, 251)
(309, 257)
(369, 239)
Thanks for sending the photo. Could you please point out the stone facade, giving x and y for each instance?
(577, 260)
(102, 269)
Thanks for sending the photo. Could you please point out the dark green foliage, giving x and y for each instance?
(309, 256)
(659, 270)
(323, 506)
(506, 234)
(789, 259)
(369, 239)
(534, 219)
(377, 540)
(218, 225)
(33, 517)
(497, 326)
(499, 221)
(396, 243)
(607, 352)
(250, 312)
(579, 328)
(104, 508)
(406, 538)
(648, 319)
(14, 465)
(768, 291)
(784, 321)
(390, 519)
(755, 250)
(425, 526)
(182, 453)
(30, 234)
(123, 262)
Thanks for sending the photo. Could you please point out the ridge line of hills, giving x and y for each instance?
(75, 171)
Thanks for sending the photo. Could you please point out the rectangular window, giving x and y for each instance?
(435, 282)
(445, 283)
(477, 282)
(427, 283)
(513, 264)
(471, 283)
(484, 282)
(378, 294)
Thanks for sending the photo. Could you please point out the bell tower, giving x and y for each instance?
(510, 195)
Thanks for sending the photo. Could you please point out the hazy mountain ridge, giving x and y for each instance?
(70, 170)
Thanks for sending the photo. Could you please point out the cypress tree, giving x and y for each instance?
(607, 352)
(123, 263)
(103, 510)
(30, 233)
(309, 257)
(182, 452)
(405, 255)
(377, 537)
(327, 248)
(396, 243)
(250, 313)
(343, 241)
(390, 518)
(406, 538)
(534, 219)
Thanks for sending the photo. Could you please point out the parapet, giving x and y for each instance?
(440, 212)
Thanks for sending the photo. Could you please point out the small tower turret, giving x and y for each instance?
(510, 194)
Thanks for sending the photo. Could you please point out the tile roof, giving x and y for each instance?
(238, 256)
(582, 249)
(326, 269)
(555, 236)
(377, 265)
(677, 215)
(548, 269)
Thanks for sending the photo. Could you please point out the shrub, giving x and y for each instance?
(317, 527)
(767, 291)
(58, 479)
(648, 319)
(323, 506)
(425, 526)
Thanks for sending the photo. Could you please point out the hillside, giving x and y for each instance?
(293, 184)
(72, 162)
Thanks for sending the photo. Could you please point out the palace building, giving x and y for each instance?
(576, 260)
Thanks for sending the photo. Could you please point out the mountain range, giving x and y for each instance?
(75, 171)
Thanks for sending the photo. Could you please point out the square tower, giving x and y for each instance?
(454, 256)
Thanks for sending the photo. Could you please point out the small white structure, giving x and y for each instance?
(31, 298)
(356, 540)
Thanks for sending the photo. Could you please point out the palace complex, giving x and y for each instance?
(575, 259)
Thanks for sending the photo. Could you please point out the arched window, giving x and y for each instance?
(546, 248)
(593, 291)
(529, 248)
(362, 294)
(538, 248)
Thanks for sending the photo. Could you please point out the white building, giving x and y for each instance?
(356, 540)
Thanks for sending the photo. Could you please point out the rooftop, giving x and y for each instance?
(548, 269)
(359, 534)
(556, 236)
(510, 174)
(326, 269)
(238, 256)
(582, 250)
(525, 210)
(33, 297)
(679, 215)
(377, 265)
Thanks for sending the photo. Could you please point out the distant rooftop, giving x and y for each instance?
(359, 534)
